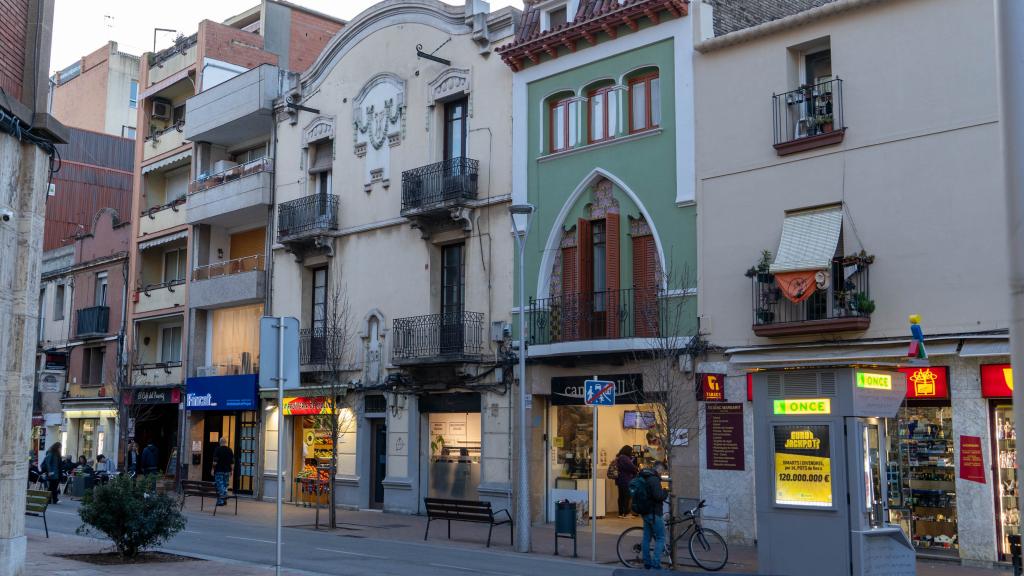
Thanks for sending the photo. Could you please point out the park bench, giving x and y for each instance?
(36, 502)
(465, 511)
(204, 490)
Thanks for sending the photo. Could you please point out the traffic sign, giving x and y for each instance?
(599, 393)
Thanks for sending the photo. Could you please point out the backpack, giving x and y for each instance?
(640, 496)
(613, 470)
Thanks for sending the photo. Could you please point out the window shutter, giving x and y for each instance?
(645, 286)
(611, 266)
(585, 277)
(564, 313)
(322, 160)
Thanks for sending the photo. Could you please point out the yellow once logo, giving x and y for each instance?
(924, 382)
(874, 381)
(802, 406)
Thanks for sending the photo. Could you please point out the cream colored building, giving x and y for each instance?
(393, 171)
(883, 151)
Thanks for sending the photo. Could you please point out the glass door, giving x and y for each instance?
(866, 460)
(245, 467)
(452, 299)
(1006, 476)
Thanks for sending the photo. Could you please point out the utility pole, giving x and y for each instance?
(1010, 51)
(522, 495)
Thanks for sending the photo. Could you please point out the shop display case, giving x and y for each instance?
(922, 478)
(1006, 477)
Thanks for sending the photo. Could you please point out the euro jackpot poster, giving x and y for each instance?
(803, 466)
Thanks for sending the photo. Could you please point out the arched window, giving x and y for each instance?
(562, 121)
(644, 100)
(372, 354)
(602, 112)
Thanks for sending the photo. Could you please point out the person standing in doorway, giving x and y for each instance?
(627, 470)
(52, 469)
(223, 461)
(149, 462)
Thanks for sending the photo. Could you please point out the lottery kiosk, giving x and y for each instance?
(821, 485)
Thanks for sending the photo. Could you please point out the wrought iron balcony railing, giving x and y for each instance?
(455, 336)
(241, 265)
(92, 321)
(810, 116)
(844, 305)
(316, 212)
(439, 185)
(612, 314)
(321, 346)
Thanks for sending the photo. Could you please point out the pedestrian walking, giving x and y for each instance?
(131, 459)
(626, 470)
(52, 469)
(648, 501)
(149, 461)
(223, 461)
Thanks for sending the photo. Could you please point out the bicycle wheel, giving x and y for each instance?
(629, 547)
(708, 549)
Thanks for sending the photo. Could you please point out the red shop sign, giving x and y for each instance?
(712, 387)
(927, 383)
(972, 463)
(996, 381)
(750, 386)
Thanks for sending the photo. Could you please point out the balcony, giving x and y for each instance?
(320, 348)
(170, 61)
(304, 225)
(92, 322)
(435, 195)
(844, 306)
(438, 339)
(159, 374)
(607, 315)
(236, 195)
(163, 141)
(809, 117)
(159, 218)
(160, 296)
(234, 111)
(229, 283)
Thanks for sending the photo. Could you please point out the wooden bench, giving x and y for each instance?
(204, 490)
(465, 511)
(36, 502)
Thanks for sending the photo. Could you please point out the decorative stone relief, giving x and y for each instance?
(378, 116)
(604, 201)
(320, 128)
(451, 82)
(639, 227)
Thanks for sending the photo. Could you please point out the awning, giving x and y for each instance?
(163, 240)
(809, 239)
(179, 159)
(974, 348)
(860, 352)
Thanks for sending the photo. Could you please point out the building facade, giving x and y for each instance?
(836, 195)
(605, 155)
(199, 230)
(99, 92)
(391, 246)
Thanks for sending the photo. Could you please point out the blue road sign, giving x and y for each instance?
(599, 393)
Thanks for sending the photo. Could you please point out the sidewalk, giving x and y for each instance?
(401, 527)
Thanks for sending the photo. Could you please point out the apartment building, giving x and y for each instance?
(837, 197)
(203, 198)
(99, 92)
(391, 246)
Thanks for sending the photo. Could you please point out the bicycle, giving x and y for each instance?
(706, 547)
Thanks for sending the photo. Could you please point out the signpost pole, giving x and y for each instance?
(280, 435)
(593, 492)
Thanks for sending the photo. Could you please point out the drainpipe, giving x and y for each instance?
(1010, 49)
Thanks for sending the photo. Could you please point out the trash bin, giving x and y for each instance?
(565, 523)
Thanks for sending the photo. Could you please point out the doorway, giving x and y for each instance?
(379, 466)
(215, 425)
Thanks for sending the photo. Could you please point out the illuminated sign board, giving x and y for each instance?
(712, 388)
(874, 381)
(996, 381)
(803, 466)
(927, 383)
(306, 406)
(802, 406)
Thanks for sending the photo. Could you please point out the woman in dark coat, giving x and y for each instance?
(627, 471)
(52, 469)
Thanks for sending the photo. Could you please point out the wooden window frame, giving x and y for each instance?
(605, 90)
(554, 105)
(645, 79)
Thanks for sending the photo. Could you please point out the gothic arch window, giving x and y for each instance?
(373, 334)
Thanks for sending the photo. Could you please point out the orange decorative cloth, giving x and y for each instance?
(796, 286)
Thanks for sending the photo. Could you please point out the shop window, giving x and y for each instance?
(454, 455)
(644, 101)
(92, 366)
(87, 428)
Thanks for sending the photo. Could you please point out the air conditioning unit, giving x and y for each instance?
(162, 109)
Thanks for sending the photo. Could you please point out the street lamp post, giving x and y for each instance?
(523, 484)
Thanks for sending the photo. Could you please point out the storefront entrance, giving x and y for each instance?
(453, 443)
(154, 418)
(997, 386)
(379, 466)
(223, 406)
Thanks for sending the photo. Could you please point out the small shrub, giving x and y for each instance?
(131, 514)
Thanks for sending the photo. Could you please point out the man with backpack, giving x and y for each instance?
(648, 498)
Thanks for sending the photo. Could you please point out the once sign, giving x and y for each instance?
(803, 407)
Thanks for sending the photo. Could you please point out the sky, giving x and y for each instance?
(82, 26)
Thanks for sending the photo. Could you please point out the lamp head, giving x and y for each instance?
(521, 209)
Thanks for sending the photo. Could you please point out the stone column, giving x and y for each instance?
(23, 179)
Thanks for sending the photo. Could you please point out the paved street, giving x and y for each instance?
(366, 543)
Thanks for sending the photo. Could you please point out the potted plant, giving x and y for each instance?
(863, 304)
(763, 274)
(751, 272)
(824, 122)
(765, 316)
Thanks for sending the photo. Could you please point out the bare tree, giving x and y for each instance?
(130, 412)
(333, 350)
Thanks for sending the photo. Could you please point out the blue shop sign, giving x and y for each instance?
(221, 392)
